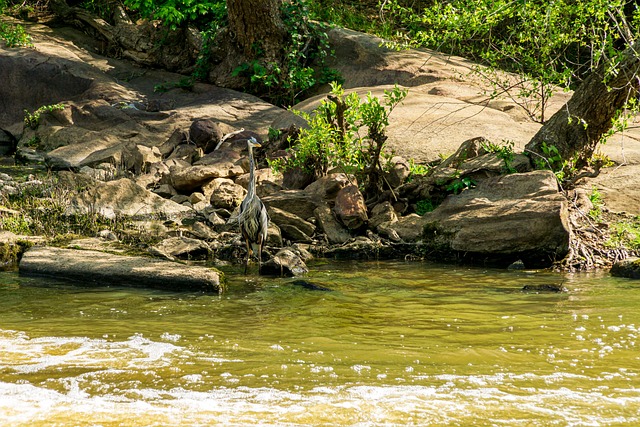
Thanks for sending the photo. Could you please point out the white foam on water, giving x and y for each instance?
(361, 405)
(108, 392)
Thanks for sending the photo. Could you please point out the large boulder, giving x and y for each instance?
(284, 218)
(297, 202)
(506, 218)
(184, 248)
(205, 134)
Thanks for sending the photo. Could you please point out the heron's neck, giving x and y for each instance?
(251, 189)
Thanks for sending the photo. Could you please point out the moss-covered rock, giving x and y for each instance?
(11, 249)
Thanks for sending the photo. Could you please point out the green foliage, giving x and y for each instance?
(625, 234)
(333, 137)
(33, 142)
(282, 83)
(14, 35)
(504, 152)
(622, 119)
(552, 160)
(203, 63)
(174, 13)
(33, 119)
(546, 43)
(416, 169)
(424, 206)
(459, 184)
(596, 200)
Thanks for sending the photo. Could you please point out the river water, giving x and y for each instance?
(392, 343)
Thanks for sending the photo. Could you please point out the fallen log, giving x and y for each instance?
(94, 268)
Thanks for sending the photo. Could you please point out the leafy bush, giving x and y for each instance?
(596, 200)
(424, 206)
(174, 13)
(333, 138)
(13, 35)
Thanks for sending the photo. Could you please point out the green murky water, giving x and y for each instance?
(391, 344)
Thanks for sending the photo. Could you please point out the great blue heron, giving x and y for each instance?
(253, 217)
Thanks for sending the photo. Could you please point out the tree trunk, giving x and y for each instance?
(255, 32)
(576, 129)
(257, 27)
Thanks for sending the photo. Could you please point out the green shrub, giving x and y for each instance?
(174, 13)
(596, 200)
(15, 35)
(333, 138)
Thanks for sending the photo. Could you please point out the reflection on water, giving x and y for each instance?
(391, 344)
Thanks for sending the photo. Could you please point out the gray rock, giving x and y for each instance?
(194, 177)
(629, 268)
(224, 193)
(329, 225)
(327, 187)
(177, 137)
(382, 212)
(122, 197)
(274, 236)
(517, 216)
(283, 218)
(285, 263)
(184, 248)
(166, 191)
(399, 171)
(350, 207)
(196, 197)
(297, 202)
(93, 268)
(408, 228)
(205, 134)
(294, 234)
(188, 153)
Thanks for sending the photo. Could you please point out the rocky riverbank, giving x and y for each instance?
(173, 165)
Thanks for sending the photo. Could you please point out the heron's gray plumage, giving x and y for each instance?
(253, 217)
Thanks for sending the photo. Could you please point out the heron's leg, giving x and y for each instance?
(246, 261)
(259, 257)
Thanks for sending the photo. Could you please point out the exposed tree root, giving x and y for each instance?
(590, 245)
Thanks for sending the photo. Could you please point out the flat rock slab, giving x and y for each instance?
(93, 268)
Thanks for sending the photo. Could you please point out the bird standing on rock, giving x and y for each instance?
(253, 217)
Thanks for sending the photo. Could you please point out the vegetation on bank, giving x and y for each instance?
(39, 206)
(547, 45)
